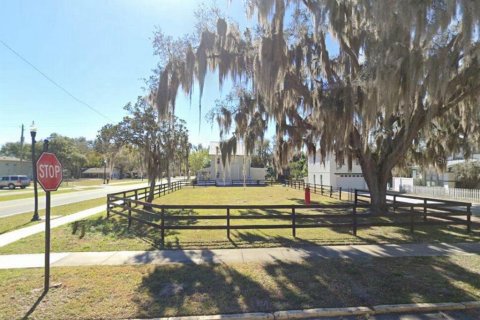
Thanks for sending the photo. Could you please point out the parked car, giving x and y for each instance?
(12, 182)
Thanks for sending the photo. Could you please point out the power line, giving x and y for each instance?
(54, 82)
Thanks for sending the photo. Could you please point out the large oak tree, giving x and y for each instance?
(370, 80)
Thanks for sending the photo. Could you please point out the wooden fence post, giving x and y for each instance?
(340, 193)
(136, 197)
(124, 196)
(394, 202)
(354, 212)
(355, 198)
(314, 188)
(469, 218)
(321, 189)
(129, 213)
(228, 223)
(411, 219)
(108, 205)
(425, 210)
(294, 227)
(331, 191)
(162, 223)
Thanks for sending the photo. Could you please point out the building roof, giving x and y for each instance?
(6, 158)
(212, 150)
(96, 170)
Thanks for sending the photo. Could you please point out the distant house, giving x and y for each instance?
(99, 172)
(15, 166)
(431, 177)
(234, 171)
(329, 173)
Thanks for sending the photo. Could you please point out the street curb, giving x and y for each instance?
(471, 304)
(322, 312)
(233, 316)
(417, 307)
(334, 312)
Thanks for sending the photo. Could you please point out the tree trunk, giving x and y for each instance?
(377, 185)
(151, 192)
(376, 174)
(169, 174)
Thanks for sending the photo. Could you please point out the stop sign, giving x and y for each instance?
(49, 171)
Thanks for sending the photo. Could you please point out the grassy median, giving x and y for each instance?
(24, 219)
(119, 292)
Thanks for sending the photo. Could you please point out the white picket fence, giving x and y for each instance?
(453, 193)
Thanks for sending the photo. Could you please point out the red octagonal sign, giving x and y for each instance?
(49, 171)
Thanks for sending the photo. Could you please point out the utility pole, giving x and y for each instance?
(22, 140)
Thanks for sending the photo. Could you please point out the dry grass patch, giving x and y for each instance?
(147, 291)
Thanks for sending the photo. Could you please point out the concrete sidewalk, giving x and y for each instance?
(232, 256)
(16, 235)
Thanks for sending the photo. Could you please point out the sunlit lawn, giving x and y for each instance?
(24, 194)
(24, 219)
(120, 292)
(101, 234)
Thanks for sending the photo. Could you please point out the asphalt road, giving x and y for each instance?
(13, 207)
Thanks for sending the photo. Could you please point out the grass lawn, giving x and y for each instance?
(23, 220)
(121, 292)
(100, 234)
(96, 182)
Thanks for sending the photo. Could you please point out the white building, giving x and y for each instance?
(234, 170)
(328, 173)
(15, 166)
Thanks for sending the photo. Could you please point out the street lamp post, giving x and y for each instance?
(33, 133)
(104, 170)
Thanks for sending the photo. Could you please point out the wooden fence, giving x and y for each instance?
(439, 209)
(353, 215)
(142, 193)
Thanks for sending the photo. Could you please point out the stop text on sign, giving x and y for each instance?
(49, 171)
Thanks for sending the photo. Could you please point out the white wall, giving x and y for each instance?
(330, 174)
(402, 184)
(232, 170)
(318, 172)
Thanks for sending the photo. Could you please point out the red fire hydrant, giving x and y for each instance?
(307, 195)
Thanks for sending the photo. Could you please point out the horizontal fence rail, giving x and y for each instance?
(142, 193)
(403, 211)
(428, 207)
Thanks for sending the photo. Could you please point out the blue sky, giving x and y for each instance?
(100, 51)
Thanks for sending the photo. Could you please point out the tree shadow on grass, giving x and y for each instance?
(199, 289)
(421, 234)
(117, 226)
(314, 283)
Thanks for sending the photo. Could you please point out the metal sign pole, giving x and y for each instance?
(47, 242)
(47, 232)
